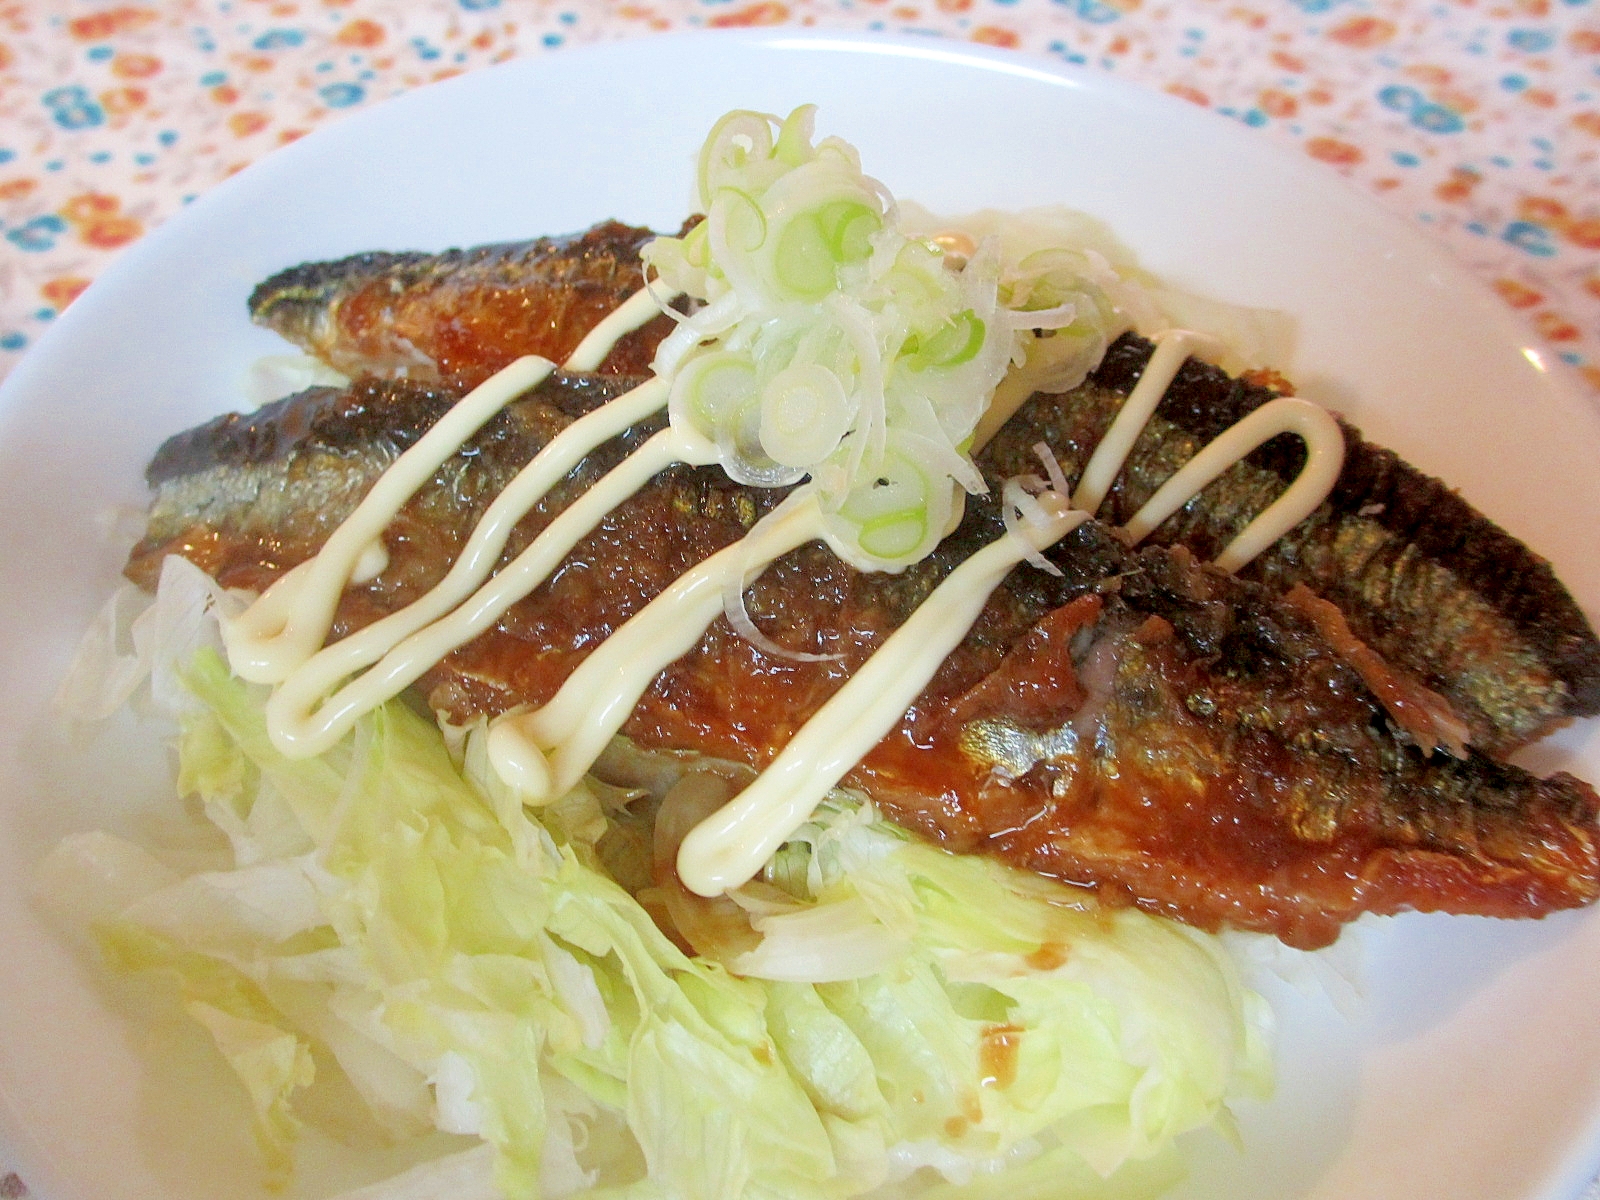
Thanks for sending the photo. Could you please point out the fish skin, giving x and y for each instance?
(247, 495)
(1447, 597)
(459, 316)
(1298, 804)
(1237, 773)
(1422, 577)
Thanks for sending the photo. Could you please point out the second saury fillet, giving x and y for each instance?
(1227, 751)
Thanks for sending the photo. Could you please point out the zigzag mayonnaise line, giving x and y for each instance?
(544, 752)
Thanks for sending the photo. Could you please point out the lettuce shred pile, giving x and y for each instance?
(908, 1019)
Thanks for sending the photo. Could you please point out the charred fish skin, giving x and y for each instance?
(459, 316)
(1192, 745)
(1446, 596)
(247, 495)
(1425, 579)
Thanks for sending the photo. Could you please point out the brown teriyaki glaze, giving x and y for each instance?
(1179, 739)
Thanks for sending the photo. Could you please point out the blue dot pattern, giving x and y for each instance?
(1481, 124)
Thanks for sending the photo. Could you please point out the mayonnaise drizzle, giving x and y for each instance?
(637, 311)
(1310, 422)
(291, 620)
(597, 698)
(1105, 464)
(543, 752)
(277, 639)
(299, 725)
(1324, 460)
(730, 846)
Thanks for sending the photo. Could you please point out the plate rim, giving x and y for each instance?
(1583, 1160)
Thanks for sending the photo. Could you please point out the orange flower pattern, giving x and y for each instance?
(1481, 123)
(1478, 121)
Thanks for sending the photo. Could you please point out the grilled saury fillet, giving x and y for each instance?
(1444, 594)
(460, 316)
(1225, 750)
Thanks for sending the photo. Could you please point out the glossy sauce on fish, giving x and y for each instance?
(459, 317)
(1425, 579)
(1465, 609)
(1264, 826)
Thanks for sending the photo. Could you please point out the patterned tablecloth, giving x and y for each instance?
(1477, 119)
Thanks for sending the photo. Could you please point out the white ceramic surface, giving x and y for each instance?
(1469, 1068)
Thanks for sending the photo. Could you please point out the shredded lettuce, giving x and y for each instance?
(908, 1019)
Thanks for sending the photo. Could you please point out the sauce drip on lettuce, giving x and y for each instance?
(475, 966)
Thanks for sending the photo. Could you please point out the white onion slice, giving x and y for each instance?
(1017, 507)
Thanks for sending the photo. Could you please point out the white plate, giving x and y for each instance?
(1470, 1068)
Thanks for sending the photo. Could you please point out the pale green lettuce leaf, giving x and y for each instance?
(471, 968)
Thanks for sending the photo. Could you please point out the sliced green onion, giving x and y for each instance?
(894, 535)
(740, 451)
(918, 281)
(848, 226)
(793, 146)
(696, 247)
(835, 344)
(803, 262)
(734, 142)
(899, 485)
(891, 516)
(711, 388)
(743, 223)
(955, 342)
(804, 414)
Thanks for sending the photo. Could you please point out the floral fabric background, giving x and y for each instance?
(1478, 120)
